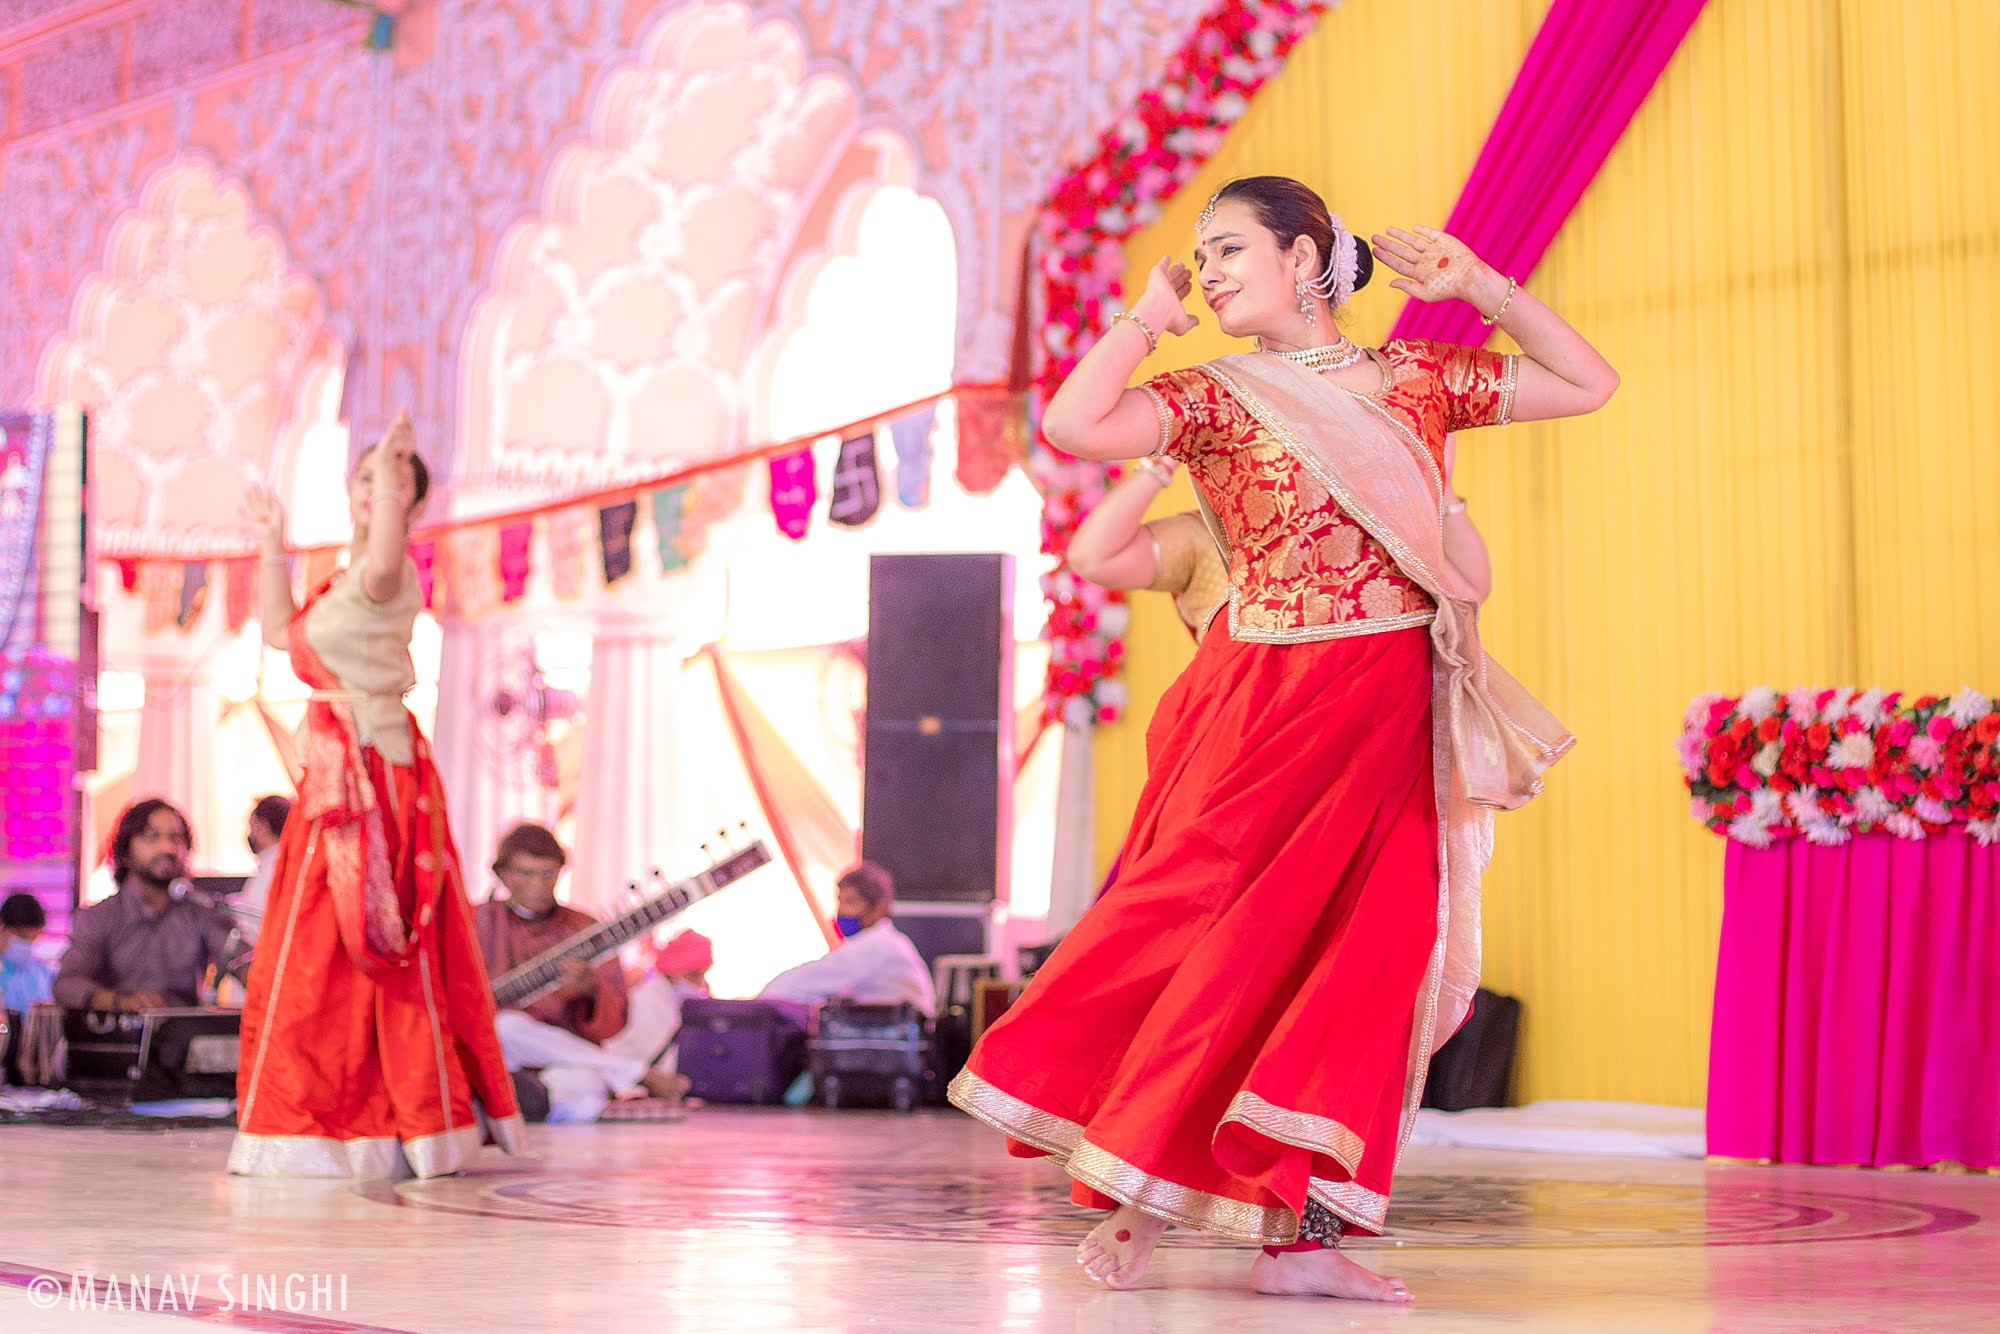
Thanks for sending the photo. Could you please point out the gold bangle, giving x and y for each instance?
(1490, 320)
(1458, 508)
(1152, 339)
(1153, 468)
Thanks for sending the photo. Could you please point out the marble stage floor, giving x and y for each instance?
(754, 1220)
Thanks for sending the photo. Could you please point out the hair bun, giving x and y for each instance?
(1364, 263)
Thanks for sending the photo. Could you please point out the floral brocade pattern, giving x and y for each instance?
(1300, 566)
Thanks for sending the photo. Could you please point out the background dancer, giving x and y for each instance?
(1235, 1037)
(368, 1041)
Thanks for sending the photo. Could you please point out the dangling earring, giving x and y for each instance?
(1306, 303)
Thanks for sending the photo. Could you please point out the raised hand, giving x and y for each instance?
(1162, 305)
(395, 475)
(266, 513)
(1435, 265)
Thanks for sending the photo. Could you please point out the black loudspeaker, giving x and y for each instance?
(938, 756)
(1476, 1067)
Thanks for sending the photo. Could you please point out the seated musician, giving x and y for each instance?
(149, 945)
(874, 962)
(591, 1039)
(24, 979)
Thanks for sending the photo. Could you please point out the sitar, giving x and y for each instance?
(528, 982)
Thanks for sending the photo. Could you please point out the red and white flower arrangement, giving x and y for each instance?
(1141, 162)
(1829, 764)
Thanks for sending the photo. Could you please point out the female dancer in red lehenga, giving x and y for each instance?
(1235, 1038)
(368, 1043)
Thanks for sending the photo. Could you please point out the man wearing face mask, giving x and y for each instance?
(592, 1038)
(149, 945)
(267, 826)
(875, 963)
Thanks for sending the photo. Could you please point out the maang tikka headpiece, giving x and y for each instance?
(1207, 215)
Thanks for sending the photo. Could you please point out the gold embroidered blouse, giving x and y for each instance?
(1300, 569)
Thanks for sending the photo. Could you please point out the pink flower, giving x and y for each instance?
(1940, 727)
(1746, 777)
(1924, 752)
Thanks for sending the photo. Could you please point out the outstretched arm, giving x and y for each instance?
(1561, 374)
(1093, 415)
(274, 574)
(1112, 546)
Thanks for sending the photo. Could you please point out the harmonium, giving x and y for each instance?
(141, 1056)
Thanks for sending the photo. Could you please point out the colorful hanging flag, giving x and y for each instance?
(160, 591)
(793, 490)
(424, 555)
(239, 592)
(194, 593)
(669, 525)
(985, 444)
(472, 571)
(569, 533)
(614, 536)
(912, 434)
(515, 541)
(857, 486)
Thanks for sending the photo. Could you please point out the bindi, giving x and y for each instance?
(1444, 263)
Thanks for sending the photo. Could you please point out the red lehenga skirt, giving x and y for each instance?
(348, 1072)
(1228, 1030)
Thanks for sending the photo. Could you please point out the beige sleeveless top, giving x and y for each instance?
(366, 644)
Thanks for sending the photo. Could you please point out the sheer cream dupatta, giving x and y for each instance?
(1491, 739)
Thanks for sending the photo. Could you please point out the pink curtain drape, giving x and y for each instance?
(1857, 1004)
(1591, 66)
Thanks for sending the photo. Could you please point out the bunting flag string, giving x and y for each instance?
(472, 566)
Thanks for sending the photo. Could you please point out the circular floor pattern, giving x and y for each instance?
(1008, 1209)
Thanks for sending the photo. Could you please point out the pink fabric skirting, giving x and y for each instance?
(1857, 1004)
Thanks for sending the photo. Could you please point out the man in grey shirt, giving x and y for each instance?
(147, 947)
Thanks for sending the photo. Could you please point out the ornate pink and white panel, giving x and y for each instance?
(399, 184)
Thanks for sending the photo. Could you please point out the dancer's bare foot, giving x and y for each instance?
(1324, 1273)
(1117, 1250)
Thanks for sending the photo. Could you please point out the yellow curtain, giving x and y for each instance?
(1791, 257)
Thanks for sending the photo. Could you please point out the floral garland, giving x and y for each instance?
(1833, 763)
(1140, 163)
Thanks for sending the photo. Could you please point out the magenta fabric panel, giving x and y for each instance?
(1591, 67)
(1857, 1004)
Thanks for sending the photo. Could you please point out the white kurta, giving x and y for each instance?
(877, 966)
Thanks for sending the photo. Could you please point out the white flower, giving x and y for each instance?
(1109, 693)
(1869, 708)
(1697, 714)
(1837, 707)
(1854, 751)
(1748, 830)
(1803, 806)
(1904, 825)
(1766, 761)
(1932, 811)
(1968, 706)
(1699, 809)
(1767, 806)
(1077, 712)
(1114, 619)
(1871, 807)
(1986, 831)
(1757, 703)
(1825, 833)
(1799, 706)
